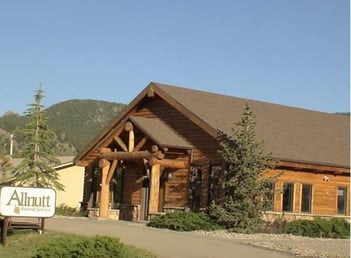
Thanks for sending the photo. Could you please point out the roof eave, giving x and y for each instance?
(316, 166)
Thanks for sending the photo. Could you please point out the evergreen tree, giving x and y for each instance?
(246, 194)
(36, 169)
(5, 166)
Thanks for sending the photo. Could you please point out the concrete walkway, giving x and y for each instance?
(164, 243)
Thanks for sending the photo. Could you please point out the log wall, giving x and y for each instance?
(205, 149)
(324, 192)
(132, 183)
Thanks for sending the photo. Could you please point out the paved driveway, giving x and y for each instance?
(162, 242)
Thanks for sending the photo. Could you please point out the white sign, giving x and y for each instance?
(27, 202)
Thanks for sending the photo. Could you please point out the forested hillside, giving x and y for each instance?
(75, 123)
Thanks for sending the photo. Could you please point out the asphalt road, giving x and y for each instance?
(164, 243)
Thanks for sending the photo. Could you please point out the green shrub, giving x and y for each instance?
(340, 228)
(65, 210)
(333, 228)
(88, 247)
(76, 247)
(278, 226)
(184, 221)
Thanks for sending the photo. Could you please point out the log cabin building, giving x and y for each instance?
(161, 154)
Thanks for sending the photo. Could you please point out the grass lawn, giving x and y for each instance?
(24, 243)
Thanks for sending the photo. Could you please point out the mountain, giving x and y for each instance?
(75, 122)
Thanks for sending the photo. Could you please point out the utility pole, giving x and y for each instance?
(11, 145)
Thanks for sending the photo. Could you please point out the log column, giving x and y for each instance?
(105, 188)
(154, 188)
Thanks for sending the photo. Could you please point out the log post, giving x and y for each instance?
(131, 141)
(154, 188)
(129, 128)
(5, 226)
(105, 188)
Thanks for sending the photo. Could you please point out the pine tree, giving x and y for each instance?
(245, 191)
(36, 169)
(5, 166)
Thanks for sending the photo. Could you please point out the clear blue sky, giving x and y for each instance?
(295, 53)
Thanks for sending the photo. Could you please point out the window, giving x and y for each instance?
(96, 188)
(306, 198)
(117, 186)
(269, 195)
(195, 187)
(288, 197)
(341, 205)
(214, 185)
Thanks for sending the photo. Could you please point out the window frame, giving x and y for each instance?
(345, 200)
(291, 196)
(310, 198)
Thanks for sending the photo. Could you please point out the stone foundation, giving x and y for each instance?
(271, 216)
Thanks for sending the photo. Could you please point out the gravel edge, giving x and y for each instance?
(296, 245)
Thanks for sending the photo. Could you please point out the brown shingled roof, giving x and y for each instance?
(160, 133)
(290, 133)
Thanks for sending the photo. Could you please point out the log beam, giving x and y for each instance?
(154, 188)
(121, 155)
(169, 163)
(140, 144)
(111, 171)
(81, 163)
(103, 150)
(154, 148)
(120, 143)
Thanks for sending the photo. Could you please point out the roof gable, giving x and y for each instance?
(290, 133)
